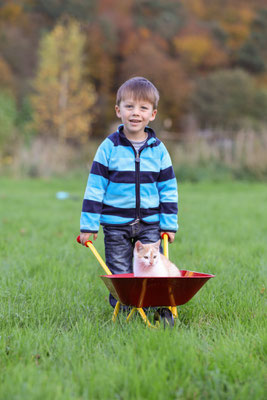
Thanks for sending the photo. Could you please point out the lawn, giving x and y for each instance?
(57, 340)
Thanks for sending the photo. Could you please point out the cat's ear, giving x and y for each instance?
(138, 245)
(157, 244)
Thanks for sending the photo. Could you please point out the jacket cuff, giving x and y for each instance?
(168, 230)
(87, 231)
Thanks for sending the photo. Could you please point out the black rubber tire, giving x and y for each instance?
(164, 315)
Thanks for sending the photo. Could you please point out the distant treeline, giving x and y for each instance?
(61, 63)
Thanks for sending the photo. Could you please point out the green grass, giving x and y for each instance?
(57, 340)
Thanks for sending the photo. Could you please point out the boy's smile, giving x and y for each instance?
(135, 116)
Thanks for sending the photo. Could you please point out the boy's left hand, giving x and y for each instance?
(171, 236)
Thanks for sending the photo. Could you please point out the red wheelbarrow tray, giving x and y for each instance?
(155, 291)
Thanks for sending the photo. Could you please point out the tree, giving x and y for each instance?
(164, 16)
(80, 9)
(249, 58)
(166, 73)
(62, 98)
(253, 54)
(100, 53)
(228, 99)
(19, 38)
(6, 76)
(199, 51)
(8, 115)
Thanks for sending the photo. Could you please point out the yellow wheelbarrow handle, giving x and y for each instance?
(165, 238)
(97, 255)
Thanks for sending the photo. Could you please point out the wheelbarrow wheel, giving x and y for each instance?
(164, 315)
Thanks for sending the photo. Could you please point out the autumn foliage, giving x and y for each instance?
(69, 57)
(62, 98)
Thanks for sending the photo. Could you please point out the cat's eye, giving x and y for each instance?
(146, 257)
(155, 256)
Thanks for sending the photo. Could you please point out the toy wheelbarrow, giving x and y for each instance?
(163, 293)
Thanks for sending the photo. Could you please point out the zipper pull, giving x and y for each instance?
(137, 158)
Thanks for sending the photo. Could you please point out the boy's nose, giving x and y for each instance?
(136, 111)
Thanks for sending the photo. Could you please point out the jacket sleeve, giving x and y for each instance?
(95, 189)
(168, 194)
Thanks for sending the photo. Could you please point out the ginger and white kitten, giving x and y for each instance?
(148, 261)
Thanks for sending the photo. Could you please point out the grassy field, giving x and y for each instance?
(57, 340)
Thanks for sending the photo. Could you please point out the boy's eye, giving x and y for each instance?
(128, 106)
(144, 108)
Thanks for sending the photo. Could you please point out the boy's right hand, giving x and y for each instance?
(84, 237)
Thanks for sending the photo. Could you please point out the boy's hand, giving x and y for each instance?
(84, 236)
(171, 236)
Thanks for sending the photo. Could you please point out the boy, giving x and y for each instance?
(131, 189)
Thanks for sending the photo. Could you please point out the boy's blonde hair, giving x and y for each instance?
(140, 89)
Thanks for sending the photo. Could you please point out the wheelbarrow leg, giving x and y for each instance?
(144, 318)
(174, 312)
(133, 310)
(116, 311)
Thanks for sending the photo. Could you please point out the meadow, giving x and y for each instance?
(57, 340)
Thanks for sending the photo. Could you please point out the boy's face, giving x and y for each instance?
(135, 116)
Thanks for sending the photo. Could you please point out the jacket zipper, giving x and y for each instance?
(137, 180)
(137, 169)
(137, 193)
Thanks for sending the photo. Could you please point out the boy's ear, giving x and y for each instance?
(153, 116)
(118, 111)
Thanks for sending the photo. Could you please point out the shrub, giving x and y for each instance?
(229, 99)
(8, 116)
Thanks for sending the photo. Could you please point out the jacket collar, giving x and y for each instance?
(151, 135)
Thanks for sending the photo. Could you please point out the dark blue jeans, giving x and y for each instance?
(119, 246)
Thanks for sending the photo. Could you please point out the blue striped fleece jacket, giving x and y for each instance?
(123, 185)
